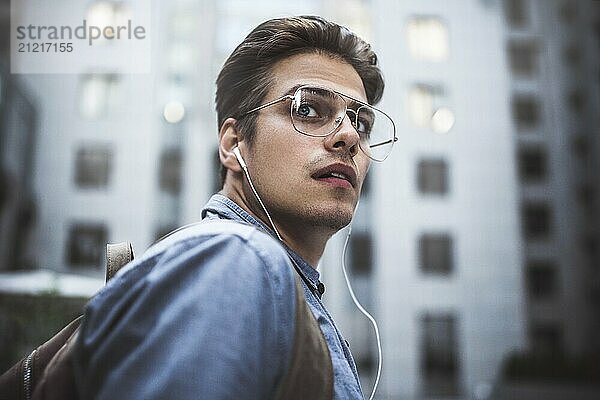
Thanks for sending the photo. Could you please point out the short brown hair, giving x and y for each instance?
(245, 77)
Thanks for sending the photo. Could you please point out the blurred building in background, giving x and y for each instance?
(18, 130)
(444, 229)
(481, 236)
(552, 49)
(477, 238)
(111, 145)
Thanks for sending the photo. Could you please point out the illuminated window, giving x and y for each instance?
(86, 244)
(420, 101)
(439, 361)
(97, 93)
(109, 14)
(93, 166)
(426, 108)
(427, 39)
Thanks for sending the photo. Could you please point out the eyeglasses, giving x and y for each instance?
(317, 111)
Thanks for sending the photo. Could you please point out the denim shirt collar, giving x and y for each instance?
(226, 208)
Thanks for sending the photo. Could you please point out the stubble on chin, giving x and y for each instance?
(333, 220)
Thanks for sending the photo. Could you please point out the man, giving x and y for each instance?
(211, 312)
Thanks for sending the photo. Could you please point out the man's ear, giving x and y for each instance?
(229, 137)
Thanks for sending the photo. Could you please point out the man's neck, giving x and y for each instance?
(308, 242)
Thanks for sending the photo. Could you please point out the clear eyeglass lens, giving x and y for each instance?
(379, 133)
(318, 112)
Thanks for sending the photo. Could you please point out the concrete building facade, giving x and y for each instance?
(463, 246)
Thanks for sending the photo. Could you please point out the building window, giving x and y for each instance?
(366, 363)
(572, 55)
(93, 164)
(426, 108)
(523, 58)
(435, 254)
(97, 94)
(536, 220)
(591, 246)
(517, 13)
(170, 170)
(427, 39)
(533, 164)
(526, 111)
(568, 11)
(577, 100)
(86, 244)
(586, 195)
(439, 362)
(581, 146)
(107, 13)
(546, 338)
(542, 280)
(432, 177)
(361, 253)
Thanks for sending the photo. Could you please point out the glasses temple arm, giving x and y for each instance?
(269, 104)
(384, 143)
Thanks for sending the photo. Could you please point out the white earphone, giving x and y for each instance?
(238, 155)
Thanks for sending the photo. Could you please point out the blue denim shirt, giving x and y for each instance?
(207, 313)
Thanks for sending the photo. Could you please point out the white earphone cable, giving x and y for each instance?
(348, 285)
(365, 313)
(245, 168)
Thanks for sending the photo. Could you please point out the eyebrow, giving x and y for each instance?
(350, 101)
(353, 104)
(293, 89)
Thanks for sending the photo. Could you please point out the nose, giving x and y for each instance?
(344, 139)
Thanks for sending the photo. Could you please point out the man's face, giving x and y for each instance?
(297, 175)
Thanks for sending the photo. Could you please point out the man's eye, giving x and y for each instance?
(305, 110)
(363, 126)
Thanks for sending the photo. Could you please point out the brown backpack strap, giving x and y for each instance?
(54, 377)
(20, 381)
(117, 255)
(12, 381)
(310, 375)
